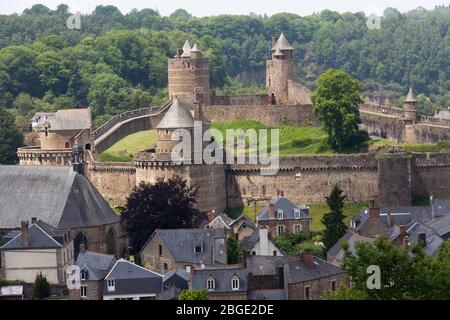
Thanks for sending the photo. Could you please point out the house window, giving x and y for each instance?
(160, 250)
(297, 213)
(280, 214)
(83, 291)
(297, 228)
(307, 293)
(111, 285)
(211, 284)
(253, 253)
(275, 253)
(83, 276)
(67, 145)
(165, 266)
(235, 283)
(198, 249)
(280, 229)
(333, 285)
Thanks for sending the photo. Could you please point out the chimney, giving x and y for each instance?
(274, 41)
(82, 248)
(389, 219)
(374, 213)
(422, 237)
(25, 234)
(403, 229)
(307, 259)
(264, 242)
(271, 211)
(33, 220)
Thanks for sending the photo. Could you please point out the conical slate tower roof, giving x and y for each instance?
(283, 44)
(196, 48)
(176, 117)
(410, 97)
(186, 50)
(278, 52)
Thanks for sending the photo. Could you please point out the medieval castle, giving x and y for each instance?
(393, 177)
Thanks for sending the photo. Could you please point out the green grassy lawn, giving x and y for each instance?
(293, 140)
(124, 149)
(412, 147)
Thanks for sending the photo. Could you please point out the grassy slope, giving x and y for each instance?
(124, 149)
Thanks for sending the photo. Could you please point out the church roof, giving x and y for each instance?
(186, 50)
(178, 116)
(410, 97)
(283, 44)
(59, 196)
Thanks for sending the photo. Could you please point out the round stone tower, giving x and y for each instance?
(280, 69)
(187, 71)
(410, 106)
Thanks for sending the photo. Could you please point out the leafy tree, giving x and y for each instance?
(108, 94)
(24, 104)
(233, 250)
(164, 205)
(336, 100)
(404, 274)
(192, 294)
(41, 287)
(10, 138)
(333, 221)
(289, 242)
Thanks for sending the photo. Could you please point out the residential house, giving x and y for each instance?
(128, 281)
(93, 269)
(239, 228)
(171, 249)
(260, 243)
(335, 254)
(281, 215)
(222, 283)
(173, 283)
(37, 248)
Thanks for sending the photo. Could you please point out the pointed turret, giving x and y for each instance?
(186, 50)
(283, 43)
(410, 97)
(278, 52)
(196, 53)
(176, 117)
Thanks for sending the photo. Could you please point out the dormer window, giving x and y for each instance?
(83, 275)
(198, 250)
(280, 214)
(235, 283)
(111, 285)
(297, 213)
(211, 284)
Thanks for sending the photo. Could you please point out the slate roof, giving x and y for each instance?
(441, 225)
(283, 43)
(177, 272)
(351, 237)
(69, 119)
(221, 221)
(222, 278)
(132, 279)
(57, 195)
(178, 116)
(297, 271)
(433, 240)
(181, 244)
(410, 97)
(249, 242)
(267, 294)
(288, 209)
(97, 264)
(243, 217)
(186, 50)
(278, 53)
(265, 265)
(37, 239)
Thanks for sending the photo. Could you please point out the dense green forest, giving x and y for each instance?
(118, 61)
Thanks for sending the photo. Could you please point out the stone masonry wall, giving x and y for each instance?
(268, 115)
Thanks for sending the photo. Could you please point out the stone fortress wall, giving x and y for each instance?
(393, 179)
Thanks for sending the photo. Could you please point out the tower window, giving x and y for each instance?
(235, 283)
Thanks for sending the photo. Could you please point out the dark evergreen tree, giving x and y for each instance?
(333, 221)
(10, 139)
(164, 205)
(41, 287)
